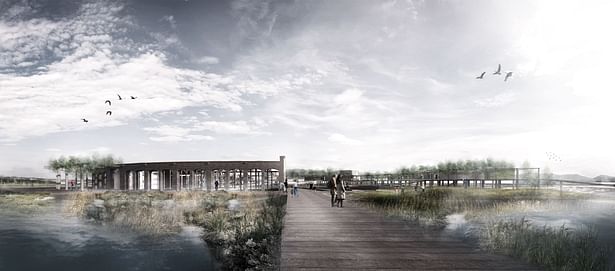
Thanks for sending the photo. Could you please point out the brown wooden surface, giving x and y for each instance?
(319, 237)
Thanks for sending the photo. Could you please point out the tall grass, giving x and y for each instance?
(24, 203)
(245, 238)
(248, 239)
(153, 213)
(554, 248)
(433, 205)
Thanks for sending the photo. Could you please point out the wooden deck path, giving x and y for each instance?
(318, 237)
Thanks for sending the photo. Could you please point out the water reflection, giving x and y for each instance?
(53, 241)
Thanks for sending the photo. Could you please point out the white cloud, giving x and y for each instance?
(171, 133)
(232, 127)
(342, 139)
(501, 99)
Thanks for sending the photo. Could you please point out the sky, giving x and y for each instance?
(352, 84)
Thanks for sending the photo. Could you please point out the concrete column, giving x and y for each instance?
(161, 180)
(192, 179)
(282, 171)
(177, 181)
(208, 179)
(242, 184)
(264, 180)
(226, 180)
(116, 179)
(147, 181)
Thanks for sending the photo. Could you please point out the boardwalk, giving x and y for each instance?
(318, 237)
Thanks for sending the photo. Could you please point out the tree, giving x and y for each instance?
(81, 166)
(547, 176)
(59, 165)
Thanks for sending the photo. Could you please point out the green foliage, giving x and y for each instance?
(310, 174)
(81, 165)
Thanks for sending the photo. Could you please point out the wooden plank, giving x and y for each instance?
(318, 237)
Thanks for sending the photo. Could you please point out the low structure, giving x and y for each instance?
(192, 175)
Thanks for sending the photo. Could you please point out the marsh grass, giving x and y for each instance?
(151, 213)
(77, 203)
(243, 237)
(248, 239)
(553, 248)
(431, 207)
(30, 203)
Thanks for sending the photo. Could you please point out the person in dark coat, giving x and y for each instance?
(332, 188)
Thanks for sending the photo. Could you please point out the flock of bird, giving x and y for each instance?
(109, 112)
(553, 157)
(497, 72)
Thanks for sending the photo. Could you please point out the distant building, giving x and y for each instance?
(192, 175)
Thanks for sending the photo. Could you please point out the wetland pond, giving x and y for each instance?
(49, 239)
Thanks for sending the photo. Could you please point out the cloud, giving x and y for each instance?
(342, 139)
(171, 133)
(207, 60)
(189, 129)
(90, 64)
(499, 100)
(171, 20)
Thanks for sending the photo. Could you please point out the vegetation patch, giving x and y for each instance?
(553, 248)
(152, 212)
(247, 238)
(243, 230)
(25, 203)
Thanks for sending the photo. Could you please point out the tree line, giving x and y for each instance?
(81, 166)
(476, 166)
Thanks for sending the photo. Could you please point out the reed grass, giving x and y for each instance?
(553, 248)
(244, 238)
(152, 213)
(30, 203)
(248, 239)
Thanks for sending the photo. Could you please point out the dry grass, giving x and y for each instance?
(553, 248)
(154, 213)
(24, 203)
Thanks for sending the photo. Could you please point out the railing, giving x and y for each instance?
(389, 182)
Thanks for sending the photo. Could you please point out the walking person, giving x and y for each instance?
(332, 188)
(216, 185)
(341, 191)
(296, 189)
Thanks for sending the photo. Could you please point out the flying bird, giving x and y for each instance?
(84, 120)
(508, 75)
(499, 70)
(132, 97)
(108, 102)
(120, 97)
(481, 76)
(109, 113)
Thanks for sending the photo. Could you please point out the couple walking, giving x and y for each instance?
(337, 188)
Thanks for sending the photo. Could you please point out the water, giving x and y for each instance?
(597, 213)
(53, 241)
